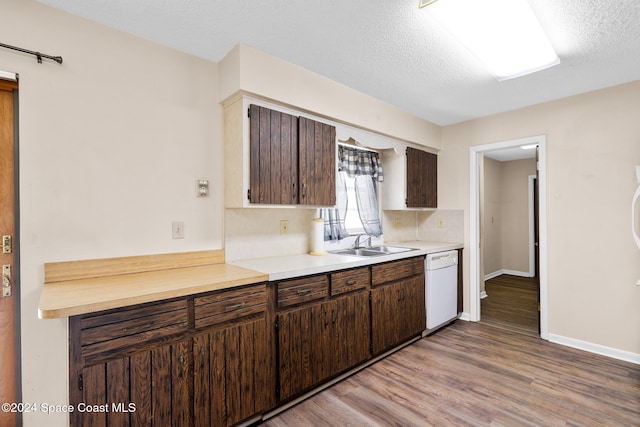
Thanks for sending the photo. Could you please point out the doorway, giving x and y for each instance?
(475, 238)
(9, 296)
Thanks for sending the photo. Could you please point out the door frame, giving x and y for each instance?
(531, 184)
(15, 271)
(474, 224)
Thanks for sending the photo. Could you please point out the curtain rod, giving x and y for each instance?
(38, 55)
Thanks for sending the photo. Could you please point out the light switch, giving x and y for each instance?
(177, 229)
(203, 188)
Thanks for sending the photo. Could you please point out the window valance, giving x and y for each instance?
(356, 162)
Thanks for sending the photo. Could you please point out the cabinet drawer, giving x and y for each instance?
(396, 270)
(108, 331)
(228, 305)
(292, 292)
(350, 280)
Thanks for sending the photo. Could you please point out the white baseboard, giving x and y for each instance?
(614, 353)
(505, 271)
(465, 316)
(483, 294)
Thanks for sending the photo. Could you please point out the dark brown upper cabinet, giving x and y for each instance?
(410, 180)
(422, 179)
(273, 157)
(291, 159)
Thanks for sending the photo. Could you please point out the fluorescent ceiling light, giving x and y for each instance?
(529, 147)
(504, 35)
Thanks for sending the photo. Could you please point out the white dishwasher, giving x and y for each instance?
(441, 289)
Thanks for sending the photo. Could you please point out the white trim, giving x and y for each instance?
(464, 316)
(492, 275)
(627, 356)
(506, 271)
(532, 226)
(6, 75)
(483, 294)
(474, 224)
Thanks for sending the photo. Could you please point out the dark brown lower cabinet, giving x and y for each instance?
(232, 374)
(318, 341)
(222, 358)
(204, 360)
(397, 305)
(148, 388)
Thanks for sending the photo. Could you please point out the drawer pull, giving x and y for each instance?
(304, 291)
(232, 306)
(351, 282)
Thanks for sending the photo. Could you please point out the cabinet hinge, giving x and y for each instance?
(80, 382)
(249, 112)
(277, 324)
(249, 194)
(406, 202)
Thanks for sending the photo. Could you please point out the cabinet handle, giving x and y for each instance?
(351, 282)
(294, 191)
(303, 291)
(181, 358)
(304, 191)
(232, 306)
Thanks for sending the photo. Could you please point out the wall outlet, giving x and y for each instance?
(284, 226)
(441, 223)
(397, 221)
(177, 228)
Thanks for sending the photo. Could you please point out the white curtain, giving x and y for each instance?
(365, 167)
(367, 200)
(334, 228)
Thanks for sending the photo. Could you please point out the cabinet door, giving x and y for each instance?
(149, 388)
(317, 166)
(304, 349)
(397, 312)
(232, 374)
(412, 302)
(422, 179)
(384, 317)
(351, 331)
(273, 158)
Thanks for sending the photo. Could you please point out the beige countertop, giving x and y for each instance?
(79, 287)
(289, 266)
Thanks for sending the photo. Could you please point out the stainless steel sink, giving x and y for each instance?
(359, 252)
(373, 251)
(391, 249)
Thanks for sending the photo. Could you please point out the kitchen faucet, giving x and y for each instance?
(356, 245)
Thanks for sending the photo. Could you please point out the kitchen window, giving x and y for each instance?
(358, 209)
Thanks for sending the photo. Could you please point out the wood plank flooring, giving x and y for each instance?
(473, 374)
(512, 303)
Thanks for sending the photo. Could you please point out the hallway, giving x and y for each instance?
(511, 303)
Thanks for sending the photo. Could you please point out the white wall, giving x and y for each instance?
(593, 145)
(111, 145)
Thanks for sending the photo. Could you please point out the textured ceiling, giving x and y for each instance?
(390, 49)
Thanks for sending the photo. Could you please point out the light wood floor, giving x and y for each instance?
(512, 303)
(475, 374)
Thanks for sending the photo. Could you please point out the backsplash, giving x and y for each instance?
(255, 233)
(442, 225)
